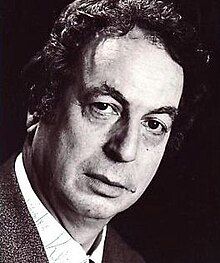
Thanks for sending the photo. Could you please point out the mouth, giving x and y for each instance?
(108, 182)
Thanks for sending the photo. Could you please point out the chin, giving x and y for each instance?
(92, 205)
(99, 208)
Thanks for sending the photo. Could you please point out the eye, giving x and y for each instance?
(103, 110)
(154, 126)
(102, 106)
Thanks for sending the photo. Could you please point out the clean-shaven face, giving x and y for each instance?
(111, 127)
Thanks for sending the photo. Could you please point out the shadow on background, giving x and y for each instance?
(177, 219)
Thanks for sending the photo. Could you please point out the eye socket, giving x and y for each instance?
(102, 110)
(154, 126)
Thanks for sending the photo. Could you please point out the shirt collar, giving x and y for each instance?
(58, 244)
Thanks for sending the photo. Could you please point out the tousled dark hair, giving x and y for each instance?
(48, 72)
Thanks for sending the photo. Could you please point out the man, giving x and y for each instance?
(105, 94)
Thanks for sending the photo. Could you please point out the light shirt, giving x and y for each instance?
(59, 246)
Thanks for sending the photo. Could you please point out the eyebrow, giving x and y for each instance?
(171, 111)
(107, 90)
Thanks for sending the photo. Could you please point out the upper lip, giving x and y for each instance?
(104, 179)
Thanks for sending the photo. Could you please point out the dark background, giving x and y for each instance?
(178, 218)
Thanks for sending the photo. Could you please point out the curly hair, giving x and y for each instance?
(47, 73)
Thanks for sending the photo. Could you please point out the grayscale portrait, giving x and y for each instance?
(115, 103)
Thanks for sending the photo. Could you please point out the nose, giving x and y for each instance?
(123, 144)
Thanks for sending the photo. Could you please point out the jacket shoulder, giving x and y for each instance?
(19, 239)
(116, 250)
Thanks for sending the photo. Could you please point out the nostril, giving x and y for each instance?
(112, 152)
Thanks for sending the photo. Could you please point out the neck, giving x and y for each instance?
(83, 229)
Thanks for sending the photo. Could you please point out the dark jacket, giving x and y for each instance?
(19, 238)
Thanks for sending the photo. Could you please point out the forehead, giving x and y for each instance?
(135, 67)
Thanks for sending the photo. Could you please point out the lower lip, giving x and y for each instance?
(104, 189)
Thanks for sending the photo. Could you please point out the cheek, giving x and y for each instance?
(77, 142)
(150, 163)
(81, 135)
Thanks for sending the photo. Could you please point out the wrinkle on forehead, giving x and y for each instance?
(111, 45)
(107, 48)
(131, 62)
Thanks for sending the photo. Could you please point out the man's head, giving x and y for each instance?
(111, 79)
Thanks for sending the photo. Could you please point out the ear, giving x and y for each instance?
(32, 122)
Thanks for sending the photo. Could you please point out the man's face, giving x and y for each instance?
(111, 128)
